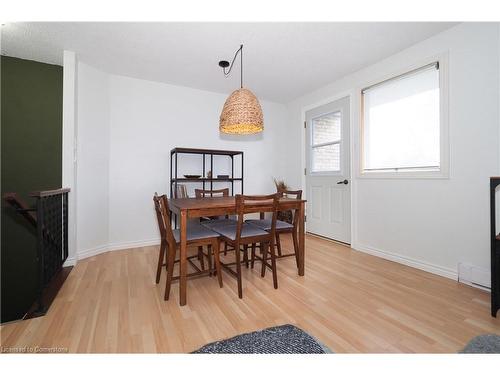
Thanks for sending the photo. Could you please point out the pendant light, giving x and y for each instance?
(241, 113)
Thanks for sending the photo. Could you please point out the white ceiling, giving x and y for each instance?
(282, 61)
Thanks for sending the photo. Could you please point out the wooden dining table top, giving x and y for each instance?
(223, 205)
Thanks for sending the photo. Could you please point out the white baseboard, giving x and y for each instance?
(132, 244)
(407, 261)
(82, 254)
(70, 262)
(87, 253)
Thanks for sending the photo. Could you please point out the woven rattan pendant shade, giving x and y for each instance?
(241, 114)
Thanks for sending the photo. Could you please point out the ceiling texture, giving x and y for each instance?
(281, 61)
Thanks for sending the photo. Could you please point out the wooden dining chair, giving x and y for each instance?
(282, 227)
(201, 193)
(197, 235)
(244, 234)
(217, 220)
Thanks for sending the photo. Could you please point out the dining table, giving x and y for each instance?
(191, 208)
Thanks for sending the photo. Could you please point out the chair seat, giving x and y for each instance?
(247, 230)
(217, 222)
(265, 224)
(194, 232)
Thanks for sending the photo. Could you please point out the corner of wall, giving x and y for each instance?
(69, 143)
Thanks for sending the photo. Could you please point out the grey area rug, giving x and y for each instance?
(285, 339)
(483, 344)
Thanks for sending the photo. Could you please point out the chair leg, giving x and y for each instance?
(245, 255)
(225, 248)
(160, 261)
(296, 247)
(200, 257)
(278, 243)
(253, 256)
(209, 259)
(218, 269)
(170, 271)
(264, 247)
(273, 267)
(238, 270)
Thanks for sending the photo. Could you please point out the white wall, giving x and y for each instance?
(147, 120)
(431, 224)
(126, 129)
(92, 160)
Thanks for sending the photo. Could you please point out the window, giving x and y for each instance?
(401, 123)
(325, 143)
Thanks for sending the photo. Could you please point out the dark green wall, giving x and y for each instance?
(31, 152)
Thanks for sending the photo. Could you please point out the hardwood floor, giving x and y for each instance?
(352, 302)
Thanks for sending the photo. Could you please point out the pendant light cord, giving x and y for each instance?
(226, 73)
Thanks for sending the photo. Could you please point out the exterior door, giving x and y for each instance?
(328, 182)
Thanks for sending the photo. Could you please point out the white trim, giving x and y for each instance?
(132, 244)
(70, 262)
(353, 136)
(474, 285)
(404, 174)
(407, 261)
(82, 254)
(91, 252)
(69, 133)
(444, 170)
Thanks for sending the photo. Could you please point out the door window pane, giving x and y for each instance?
(326, 129)
(326, 158)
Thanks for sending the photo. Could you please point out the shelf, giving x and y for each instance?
(205, 179)
(175, 175)
(200, 151)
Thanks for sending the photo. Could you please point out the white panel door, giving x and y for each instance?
(328, 171)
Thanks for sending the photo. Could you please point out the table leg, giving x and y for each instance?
(302, 241)
(183, 259)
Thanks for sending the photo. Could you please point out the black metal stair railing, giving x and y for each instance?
(50, 217)
(52, 228)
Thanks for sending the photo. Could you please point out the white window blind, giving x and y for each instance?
(401, 122)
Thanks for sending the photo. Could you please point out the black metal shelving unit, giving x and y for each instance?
(495, 250)
(206, 182)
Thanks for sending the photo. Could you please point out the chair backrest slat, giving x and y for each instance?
(200, 193)
(297, 194)
(180, 191)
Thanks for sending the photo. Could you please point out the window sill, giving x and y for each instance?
(403, 175)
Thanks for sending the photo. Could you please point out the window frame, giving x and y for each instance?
(340, 142)
(443, 172)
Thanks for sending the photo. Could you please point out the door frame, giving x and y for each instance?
(351, 94)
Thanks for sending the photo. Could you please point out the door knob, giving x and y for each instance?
(345, 182)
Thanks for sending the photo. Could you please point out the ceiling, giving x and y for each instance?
(282, 61)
